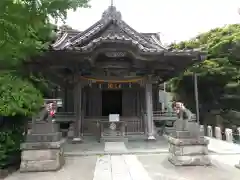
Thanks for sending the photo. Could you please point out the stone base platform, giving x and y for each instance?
(42, 156)
(77, 140)
(151, 139)
(113, 139)
(188, 152)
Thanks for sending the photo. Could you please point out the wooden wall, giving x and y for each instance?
(133, 101)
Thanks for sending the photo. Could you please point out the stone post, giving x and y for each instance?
(149, 111)
(188, 147)
(78, 110)
(218, 133)
(209, 131)
(202, 130)
(70, 133)
(238, 130)
(238, 165)
(43, 149)
(229, 135)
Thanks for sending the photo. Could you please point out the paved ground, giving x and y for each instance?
(223, 147)
(76, 168)
(138, 166)
(130, 167)
(159, 168)
(135, 147)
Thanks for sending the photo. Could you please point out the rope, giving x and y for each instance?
(113, 81)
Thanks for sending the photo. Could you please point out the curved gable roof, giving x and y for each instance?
(101, 32)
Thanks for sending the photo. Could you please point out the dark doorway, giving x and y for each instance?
(111, 102)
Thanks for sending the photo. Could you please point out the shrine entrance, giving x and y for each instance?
(111, 102)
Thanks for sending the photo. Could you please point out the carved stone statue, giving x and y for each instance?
(182, 112)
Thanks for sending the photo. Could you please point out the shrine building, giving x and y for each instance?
(110, 68)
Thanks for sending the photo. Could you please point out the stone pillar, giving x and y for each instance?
(218, 133)
(78, 112)
(149, 111)
(238, 165)
(238, 130)
(65, 104)
(229, 135)
(209, 131)
(202, 130)
(70, 133)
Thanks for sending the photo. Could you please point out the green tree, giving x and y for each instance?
(26, 29)
(19, 99)
(218, 76)
(18, 96)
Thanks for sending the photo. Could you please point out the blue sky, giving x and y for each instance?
(176, 19)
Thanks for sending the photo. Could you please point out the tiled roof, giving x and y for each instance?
(112, 29)
(87, 40)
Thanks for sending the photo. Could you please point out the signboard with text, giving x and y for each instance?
(114, 117)
(114, 86)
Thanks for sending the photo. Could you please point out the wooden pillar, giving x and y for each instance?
(78, 112)
(156, 102)
(149, 110)
(65, 99)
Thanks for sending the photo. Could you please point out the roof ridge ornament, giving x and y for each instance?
(111, 14)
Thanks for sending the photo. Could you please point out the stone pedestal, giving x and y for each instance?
(188, 152)
(188, 147)
(42, 156)
(43, 149)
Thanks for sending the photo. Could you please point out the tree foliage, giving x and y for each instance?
(25, 26)
(26, 29)
(18, 96)
(218, 76)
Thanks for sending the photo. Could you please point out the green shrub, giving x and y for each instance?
(18, 97)
(19, 100)
(11, 136)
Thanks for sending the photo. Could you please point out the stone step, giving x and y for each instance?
(114, 139)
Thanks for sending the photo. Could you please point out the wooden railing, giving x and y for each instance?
(164, 116)
(90, 125)
(65, 117)
(105, 130)
(134, 125)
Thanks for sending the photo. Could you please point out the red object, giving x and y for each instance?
(52, 113)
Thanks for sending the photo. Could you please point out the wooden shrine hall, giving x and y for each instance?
(110, 69)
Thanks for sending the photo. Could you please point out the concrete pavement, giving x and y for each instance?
(134, 167)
